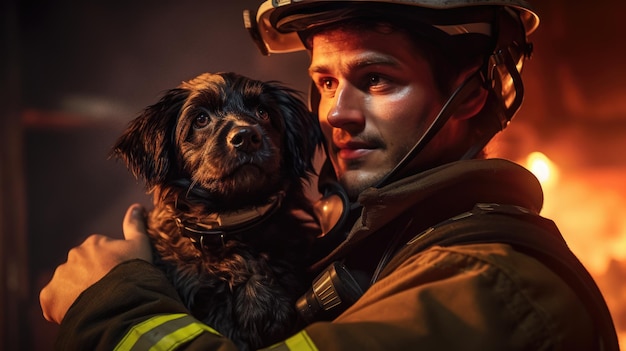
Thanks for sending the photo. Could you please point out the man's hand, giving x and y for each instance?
(92, 260)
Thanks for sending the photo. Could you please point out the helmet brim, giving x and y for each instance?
(277, 27)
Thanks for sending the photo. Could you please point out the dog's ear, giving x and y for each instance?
(303, 133)
(147, 144)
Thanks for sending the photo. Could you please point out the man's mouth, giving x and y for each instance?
(352, 150)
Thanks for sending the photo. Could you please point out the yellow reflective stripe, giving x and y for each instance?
(142, 328)
(301, 342)
(298, 342)
(180, 336)
(163, 332)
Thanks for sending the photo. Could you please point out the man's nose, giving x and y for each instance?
(346, 111)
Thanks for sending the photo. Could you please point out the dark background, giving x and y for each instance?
(74, 73)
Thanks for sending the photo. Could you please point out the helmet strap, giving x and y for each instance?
(459, 96)
(499, 73)
(502, 79)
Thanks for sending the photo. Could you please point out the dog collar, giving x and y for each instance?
(217, 226)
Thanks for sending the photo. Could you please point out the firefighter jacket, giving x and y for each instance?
(476, 296)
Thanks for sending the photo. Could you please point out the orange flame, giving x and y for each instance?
(590, 214)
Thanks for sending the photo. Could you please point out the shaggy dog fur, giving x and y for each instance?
(212, 151)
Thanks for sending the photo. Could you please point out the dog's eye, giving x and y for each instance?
(261, 113)
(201, 121)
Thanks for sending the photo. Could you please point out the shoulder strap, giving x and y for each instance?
(529, 233)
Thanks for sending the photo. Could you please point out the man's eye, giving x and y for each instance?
(374, 80)
(328, 84)
(378, 83)
(262, 113)
(201, 121)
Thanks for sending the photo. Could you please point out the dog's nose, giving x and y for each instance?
(245, 138)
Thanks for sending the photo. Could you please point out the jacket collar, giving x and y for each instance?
(440, 193)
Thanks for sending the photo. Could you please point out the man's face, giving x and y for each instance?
(377, 98)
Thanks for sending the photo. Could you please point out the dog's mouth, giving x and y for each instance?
(249, 176)
(244, 165)
(241, 181)
(250, 169)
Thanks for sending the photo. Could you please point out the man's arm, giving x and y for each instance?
(109, 296)
(442, 298)
(93, 259)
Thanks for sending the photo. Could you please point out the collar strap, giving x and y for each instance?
(216, 227)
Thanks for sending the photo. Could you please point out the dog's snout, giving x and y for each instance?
(245, 138)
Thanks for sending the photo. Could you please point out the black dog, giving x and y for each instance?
(226, 158)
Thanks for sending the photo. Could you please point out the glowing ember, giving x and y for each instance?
(542, 168)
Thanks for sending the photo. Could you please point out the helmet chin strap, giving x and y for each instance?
(465, 89)
(501, 66)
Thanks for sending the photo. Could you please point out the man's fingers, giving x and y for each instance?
(56, 297)
(45, 302)
(134, 228)
(134, 224)
(90, 261)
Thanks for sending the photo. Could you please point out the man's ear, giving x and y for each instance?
(146, 145)
(474, 103)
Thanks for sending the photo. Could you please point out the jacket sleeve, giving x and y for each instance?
(484, 296)
(132, 295)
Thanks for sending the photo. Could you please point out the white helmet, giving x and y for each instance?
(276, 24)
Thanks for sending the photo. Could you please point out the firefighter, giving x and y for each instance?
(443, 248)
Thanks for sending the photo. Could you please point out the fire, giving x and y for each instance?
(543, 168)
(589, 209)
